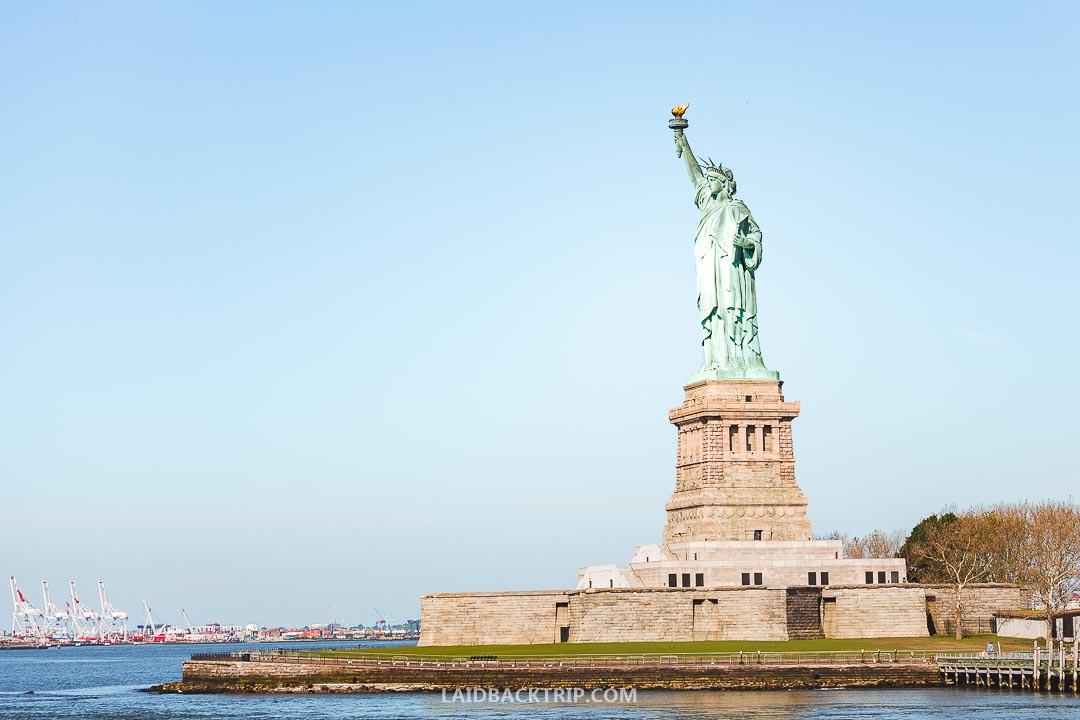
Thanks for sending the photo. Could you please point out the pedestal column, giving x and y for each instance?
(723, 492)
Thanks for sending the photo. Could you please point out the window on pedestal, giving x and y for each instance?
(751, 438)
(824, 578)
(894, 576)
(881, 576)
(869, 577)
(733, 437)
(757, 579)
(746, 578)
(767, 440)
(672, 580)
(686, 579)
(699, 579)
(757, 534)
(811, 578)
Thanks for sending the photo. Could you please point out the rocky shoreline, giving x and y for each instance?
(238, 677)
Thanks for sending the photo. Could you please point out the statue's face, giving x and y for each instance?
(718, 185)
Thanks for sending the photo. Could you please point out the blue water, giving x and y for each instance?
(103, 682)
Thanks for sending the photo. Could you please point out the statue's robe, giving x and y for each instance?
(726, 297)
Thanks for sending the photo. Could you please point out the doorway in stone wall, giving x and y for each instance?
(828, 616)
(562, 622)
(706, 619)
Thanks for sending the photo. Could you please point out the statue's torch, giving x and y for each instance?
(678, 123)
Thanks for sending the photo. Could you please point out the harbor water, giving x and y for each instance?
(105, 682)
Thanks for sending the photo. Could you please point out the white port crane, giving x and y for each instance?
(113, 620)
(191, 629)
(55, 623)
(24, 618)
(149, 622)
(85, 623)
(195, 633)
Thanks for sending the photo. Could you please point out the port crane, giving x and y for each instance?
(113, 620)
(149, 622)
(24, 618)
(85, 623)
(55, 620)
(191, 628)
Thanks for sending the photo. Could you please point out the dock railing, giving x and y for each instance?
(843, 657)
(1039, 669)
(986, 658)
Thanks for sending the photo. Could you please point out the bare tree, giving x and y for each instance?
(877, 544)
(1010, 560)
(1051, 554)
(1032, 544)
(963, 551)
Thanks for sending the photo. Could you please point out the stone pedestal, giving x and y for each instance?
(735, 472)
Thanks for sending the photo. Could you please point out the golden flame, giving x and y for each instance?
(678, 110)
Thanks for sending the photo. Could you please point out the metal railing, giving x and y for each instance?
(845, 657)
(993, 658)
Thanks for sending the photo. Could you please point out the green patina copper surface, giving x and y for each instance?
(727, 253)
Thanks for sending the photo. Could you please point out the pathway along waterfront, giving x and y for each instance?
(288, 672)
(285, 672)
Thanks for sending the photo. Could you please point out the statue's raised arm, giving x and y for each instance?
(683, 150)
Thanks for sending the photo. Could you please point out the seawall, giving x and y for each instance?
(298, 675)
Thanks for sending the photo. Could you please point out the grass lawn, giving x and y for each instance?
(938, 643)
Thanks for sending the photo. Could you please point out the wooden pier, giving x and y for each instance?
(1053, 670)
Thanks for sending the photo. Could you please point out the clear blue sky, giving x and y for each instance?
(312, 306)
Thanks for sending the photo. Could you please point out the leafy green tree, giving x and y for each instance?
(921, 567)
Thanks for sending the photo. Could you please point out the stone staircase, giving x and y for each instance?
(804, 613)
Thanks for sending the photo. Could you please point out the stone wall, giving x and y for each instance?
(301, 677)
(632, 616)
(648, 615)
(684, 615)
(507, 618)
(869, 612)
(979, 602)
(604, 615)
(669, 615)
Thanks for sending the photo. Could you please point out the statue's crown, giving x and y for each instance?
(717, 167)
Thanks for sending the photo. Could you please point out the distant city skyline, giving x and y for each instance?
(311, 310)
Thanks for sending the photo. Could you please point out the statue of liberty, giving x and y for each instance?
(727, 253)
